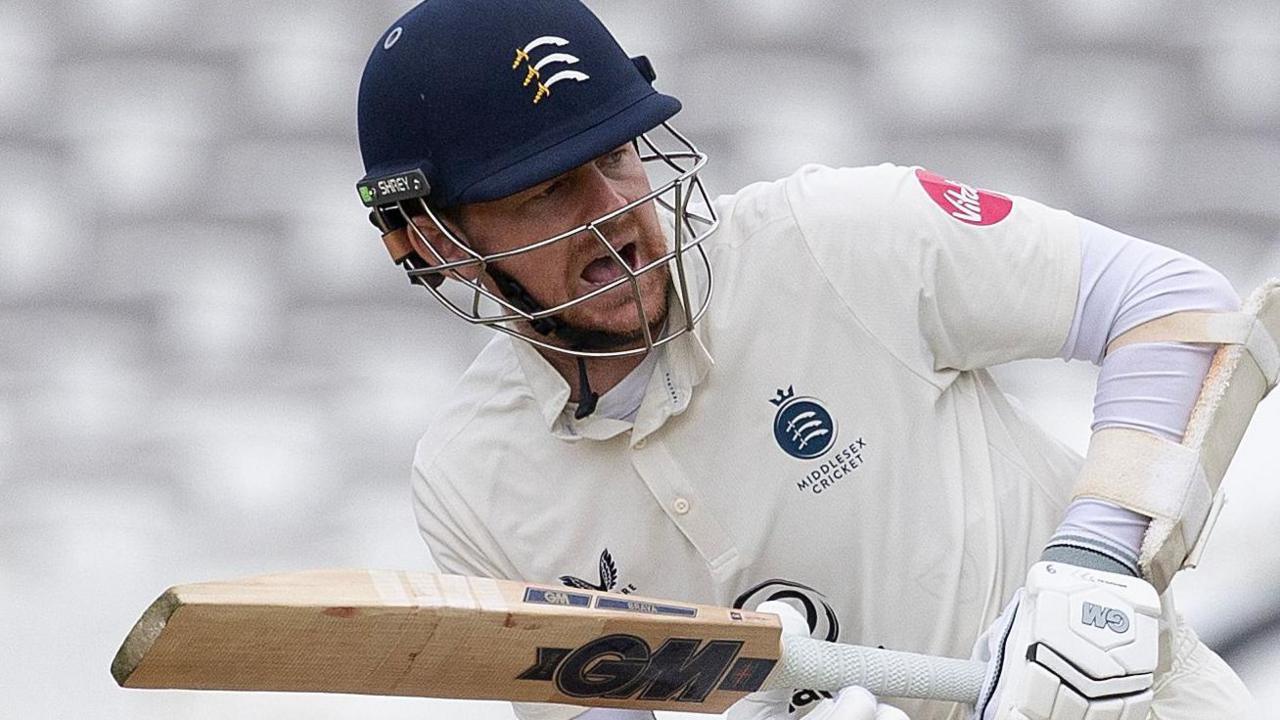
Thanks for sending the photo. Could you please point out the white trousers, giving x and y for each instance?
(1192, 682)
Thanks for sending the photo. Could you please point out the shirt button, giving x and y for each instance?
(681, 506)
(641, 443)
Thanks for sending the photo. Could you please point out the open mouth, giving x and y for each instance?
(606, 269)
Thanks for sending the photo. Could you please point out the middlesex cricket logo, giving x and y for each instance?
(805, 430)
(540, 74)
(803, 427)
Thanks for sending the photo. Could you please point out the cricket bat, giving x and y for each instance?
(389, 632)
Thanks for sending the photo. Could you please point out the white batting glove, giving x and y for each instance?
(851, 703)
(1073, 644)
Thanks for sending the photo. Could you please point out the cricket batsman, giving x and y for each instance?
(779, 396)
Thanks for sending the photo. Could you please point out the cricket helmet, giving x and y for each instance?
(466, 101)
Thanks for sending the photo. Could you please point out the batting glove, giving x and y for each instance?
(1073, 644)
(851, 703)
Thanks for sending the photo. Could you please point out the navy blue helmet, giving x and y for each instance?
(488, 97)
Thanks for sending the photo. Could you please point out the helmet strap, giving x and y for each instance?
(515, 292)
(586, 396)
(517, 295)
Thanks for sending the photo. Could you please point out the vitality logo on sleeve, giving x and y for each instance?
(964, 203)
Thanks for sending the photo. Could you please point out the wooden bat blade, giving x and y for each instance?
(413, 633)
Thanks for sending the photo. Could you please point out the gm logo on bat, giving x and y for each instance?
(624, 666)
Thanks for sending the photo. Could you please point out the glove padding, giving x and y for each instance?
(1073, 644)
(851, 703)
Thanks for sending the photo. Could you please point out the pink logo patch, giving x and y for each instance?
(966, 204)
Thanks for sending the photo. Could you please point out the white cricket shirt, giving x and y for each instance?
(846, 449)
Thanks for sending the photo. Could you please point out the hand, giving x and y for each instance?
(1073, 643)
(851, 703)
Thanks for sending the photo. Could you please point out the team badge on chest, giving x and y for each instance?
(806, 430)
(803, 428)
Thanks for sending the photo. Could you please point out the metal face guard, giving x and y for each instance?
(672, 155)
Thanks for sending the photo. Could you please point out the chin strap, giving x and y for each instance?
(516, 293)
(586, 396)
(400, 249)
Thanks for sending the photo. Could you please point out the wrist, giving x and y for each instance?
(1098, 535)
(1090, 557)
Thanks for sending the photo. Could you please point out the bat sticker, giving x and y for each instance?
(542, 596)
(648, 608)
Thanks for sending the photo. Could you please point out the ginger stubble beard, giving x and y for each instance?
(588, 339)
(587, 327)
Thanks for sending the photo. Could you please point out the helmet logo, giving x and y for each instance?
(534, 71)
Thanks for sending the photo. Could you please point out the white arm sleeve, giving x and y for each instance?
(1125, 282)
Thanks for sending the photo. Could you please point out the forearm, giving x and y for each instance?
(1125, 282)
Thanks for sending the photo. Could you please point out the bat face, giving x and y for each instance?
(410, 633)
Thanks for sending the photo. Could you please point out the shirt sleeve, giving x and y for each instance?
(458, 544)
(946, 276)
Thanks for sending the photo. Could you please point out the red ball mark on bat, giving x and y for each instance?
(964, 203)
(346, 613)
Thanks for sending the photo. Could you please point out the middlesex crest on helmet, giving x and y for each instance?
(539, 73)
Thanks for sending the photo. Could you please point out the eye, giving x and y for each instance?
(549, 190)
(615, 157)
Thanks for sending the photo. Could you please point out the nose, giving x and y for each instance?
(600, 194)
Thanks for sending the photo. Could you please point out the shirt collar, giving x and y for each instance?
(682, 364)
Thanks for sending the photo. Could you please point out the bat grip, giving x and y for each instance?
(819, 665)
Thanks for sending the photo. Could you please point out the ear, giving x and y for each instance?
(421, 239)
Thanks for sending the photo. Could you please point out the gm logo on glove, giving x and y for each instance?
(1103, 617)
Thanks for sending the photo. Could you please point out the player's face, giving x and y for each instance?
(577, 265)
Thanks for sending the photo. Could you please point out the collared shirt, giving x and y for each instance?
(847, 449)
(622, 401)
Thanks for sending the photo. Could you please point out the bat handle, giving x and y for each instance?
(819, 665)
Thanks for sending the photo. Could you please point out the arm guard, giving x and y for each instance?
(1177, 484)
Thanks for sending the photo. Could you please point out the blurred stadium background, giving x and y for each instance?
(209, 368)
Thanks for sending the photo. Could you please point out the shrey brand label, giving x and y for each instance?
(964, 203)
